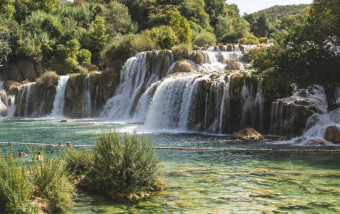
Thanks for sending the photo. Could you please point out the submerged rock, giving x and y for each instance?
(65, 121)
(248, 134)
(284, 138)
(332, 134)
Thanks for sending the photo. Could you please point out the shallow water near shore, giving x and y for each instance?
(202, 181)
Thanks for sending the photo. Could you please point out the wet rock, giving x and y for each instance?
(65, 121)
(332, 134)
(248, 134)
(27, 70)
(284, 138)
(315, 142)
(261, 193)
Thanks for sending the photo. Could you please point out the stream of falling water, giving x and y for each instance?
(59, 101)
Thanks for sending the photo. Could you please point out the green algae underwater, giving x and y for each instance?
(202, 181)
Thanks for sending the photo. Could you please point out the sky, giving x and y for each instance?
(251, 6)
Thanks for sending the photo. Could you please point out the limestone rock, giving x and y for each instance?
(27, 70)
(315, 142)
(284, 138)
(65, 121)
(332, 134)
(248, 134)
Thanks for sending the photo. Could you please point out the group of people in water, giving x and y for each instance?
(39, 156)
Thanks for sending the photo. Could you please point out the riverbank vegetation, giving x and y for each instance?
(306, 53)
(62, 35)
(121, 167)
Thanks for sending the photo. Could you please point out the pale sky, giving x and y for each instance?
(251, 6)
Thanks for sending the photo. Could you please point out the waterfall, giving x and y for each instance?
(138, 73)
(225, 102)
(27, 91)
(246, 100)
(11, 106)
(3, 100)
(171, 105)
(86, 107)
(59, 101)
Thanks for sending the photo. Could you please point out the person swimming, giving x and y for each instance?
(68, 144)
(39, 156)
(21, 153)
(60, 145)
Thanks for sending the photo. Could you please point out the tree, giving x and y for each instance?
(182, 28)
(97, 36)
(261, 27)
(304, 54)
(117, 18)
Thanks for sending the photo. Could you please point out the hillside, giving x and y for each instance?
(280, 12)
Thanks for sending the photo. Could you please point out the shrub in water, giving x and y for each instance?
(123, 166)
(221, 46)
(52, 183)
(15, 189)
(195, 47)
(80, 161)
(232, 64)
(242, 40)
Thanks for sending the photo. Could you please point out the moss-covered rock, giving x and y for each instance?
(199, 58)
(248, 134)
(182, 66)
(236, 83)
(332, 134)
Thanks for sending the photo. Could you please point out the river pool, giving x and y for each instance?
(202, 181)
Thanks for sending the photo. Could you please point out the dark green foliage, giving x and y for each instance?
(305, 63)
(279, 12)
(164, 36)
(79, 162)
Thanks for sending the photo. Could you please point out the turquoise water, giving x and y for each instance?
(202, 181)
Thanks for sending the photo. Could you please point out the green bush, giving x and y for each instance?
(195, 47)
(229, 47)
(252, 40)
(263, 40)
(123, 166)
(52, 182)
(199, 59)
(242, 40)
(143, 42)
(182, 66)
(15, 188)
(206, 46)
(175, 52)
(164, 36)
(221, 46)
(84, 55)
(204, 38)
(79, 161)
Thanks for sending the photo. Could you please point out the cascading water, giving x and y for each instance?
(136, 76)
(59, 101)
(28, 92)
(86, 111)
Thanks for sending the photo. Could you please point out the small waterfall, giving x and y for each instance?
(225, 103)
(3, 100)
(59, 101)
(246, 100)
(28, 92)
(259, 105)
(11, 106)
(86, 107)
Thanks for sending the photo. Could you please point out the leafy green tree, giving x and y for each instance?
(117, 18)
(204, 38)
(214, 9)
(182, 28)
(83, 55)
(164, 36)
(5, 47)
(261, 27)
(98, 36)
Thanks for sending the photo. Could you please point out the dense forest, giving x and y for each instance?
(279, 12)
(266, 22)
(63, 34)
